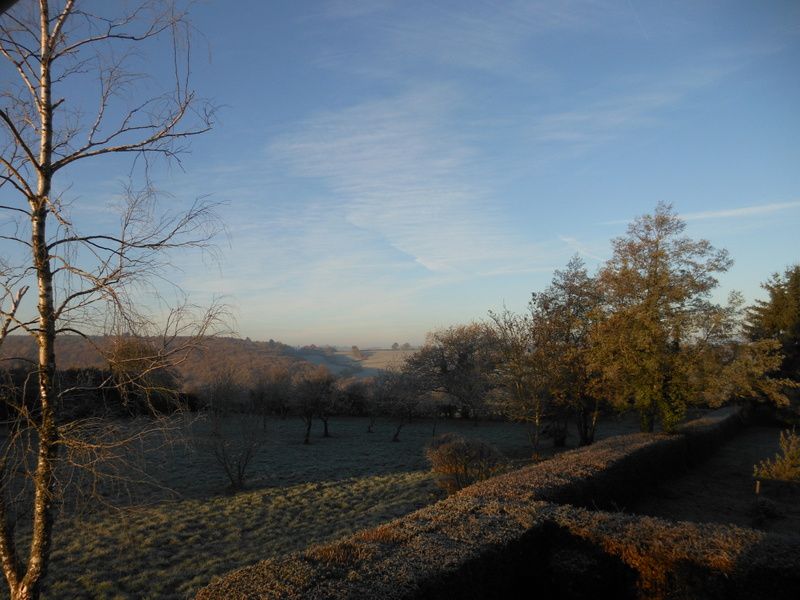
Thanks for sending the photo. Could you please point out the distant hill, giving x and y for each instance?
(244, 358)
(72, 351)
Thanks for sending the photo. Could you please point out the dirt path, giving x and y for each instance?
(722, 489)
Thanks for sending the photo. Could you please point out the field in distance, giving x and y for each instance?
(361, 364)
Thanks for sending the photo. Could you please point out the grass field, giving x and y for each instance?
(384, 359)
(297, 495)
(191, 529)
(170, 550)
(372, 362)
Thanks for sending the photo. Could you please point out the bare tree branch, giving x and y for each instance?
(19, 139)
(87, 281)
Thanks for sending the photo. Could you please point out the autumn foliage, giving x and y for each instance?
(459, 462)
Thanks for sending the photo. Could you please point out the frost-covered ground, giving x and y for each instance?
(297, 495)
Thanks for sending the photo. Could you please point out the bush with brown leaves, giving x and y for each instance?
(459, 462)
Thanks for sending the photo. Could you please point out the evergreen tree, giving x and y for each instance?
(778, 318)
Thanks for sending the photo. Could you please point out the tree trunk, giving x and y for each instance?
(39, 160)
(12, 568)
(593, 422)
(587, 425)
(46, 453)
(559, 433)
(648, 417)
(396, 436)
(537, 425)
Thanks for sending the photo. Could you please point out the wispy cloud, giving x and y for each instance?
(487, 37)
(633, 106)
(601, 122)
(744, 211)
(728, 213)
(399, 168)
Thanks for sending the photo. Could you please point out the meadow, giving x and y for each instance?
(370, 363)
(189, 528)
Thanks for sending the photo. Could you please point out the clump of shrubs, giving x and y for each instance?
(786, 464)
(459, 462)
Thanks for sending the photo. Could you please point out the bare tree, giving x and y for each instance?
(145, 380)
(233, 439)
(457, 361)
(85, 282)
(311, 390)
(271, 392)
(400, 396)
(357, 398)
(330, 404)
(520, 392)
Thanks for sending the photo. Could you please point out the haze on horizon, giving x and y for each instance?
(391, 167)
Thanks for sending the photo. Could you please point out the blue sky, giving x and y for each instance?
(390, 167)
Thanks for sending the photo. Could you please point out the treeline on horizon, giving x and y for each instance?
(642, 333)
(196, 369)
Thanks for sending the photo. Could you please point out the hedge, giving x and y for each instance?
(611, 472)
(517, 530)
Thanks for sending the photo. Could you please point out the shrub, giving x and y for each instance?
(459, 462)
(234, 441)
(786, 464)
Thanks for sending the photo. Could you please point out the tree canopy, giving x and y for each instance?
(458, 362)
(778, 317)
(656, 289)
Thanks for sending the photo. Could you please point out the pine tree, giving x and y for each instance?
(778, 318)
